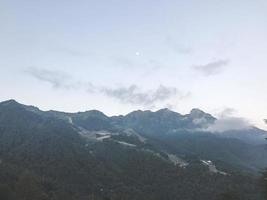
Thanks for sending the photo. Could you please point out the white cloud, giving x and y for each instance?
(136, 96)
(132, 94)
(57, 79)
(229, 123)
(211, 68)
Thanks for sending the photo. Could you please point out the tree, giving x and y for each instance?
(28, 188)
(264, 183)
(230, 195)
(6, 192)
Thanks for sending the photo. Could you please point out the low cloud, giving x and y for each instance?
(212, 68)
(134, 95)
(226, 121)
(227, 112)
(228, 124)
(57, 79)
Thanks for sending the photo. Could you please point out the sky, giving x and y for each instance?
(120, 55)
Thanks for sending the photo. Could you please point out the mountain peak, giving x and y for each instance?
(94, 113)
(164, 110)
(196, 111)
(13, 104)
(9, 102)
(168, 112)
(200, 118)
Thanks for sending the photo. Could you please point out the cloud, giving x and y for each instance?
(211, 68)
(57, 79)
(229, 123)
(226, 121)
(134, 95)
(265, 121)
(227, 112)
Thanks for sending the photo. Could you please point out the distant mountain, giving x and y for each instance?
(142, 155)
(163, 121)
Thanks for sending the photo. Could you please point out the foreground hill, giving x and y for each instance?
(143, 155)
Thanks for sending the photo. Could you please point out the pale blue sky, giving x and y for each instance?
(118, 56)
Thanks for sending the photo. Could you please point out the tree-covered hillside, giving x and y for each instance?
(47, 156)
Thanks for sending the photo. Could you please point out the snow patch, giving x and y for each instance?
(212, 167)
(70, 120)
(94, 135)
(126, 144)
(101, 138)
(130, 132)
(177, 161)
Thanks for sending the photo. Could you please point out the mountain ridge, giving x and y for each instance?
(162, 110)
(195, 120)
(77, 155)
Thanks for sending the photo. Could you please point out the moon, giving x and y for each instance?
(137, 53)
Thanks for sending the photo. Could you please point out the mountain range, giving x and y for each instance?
(141, 155)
